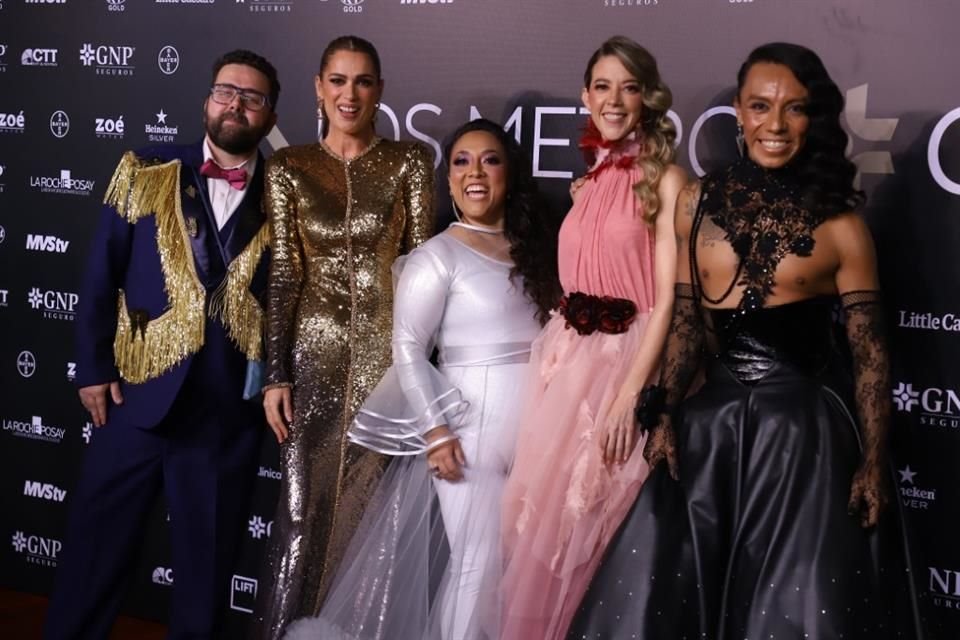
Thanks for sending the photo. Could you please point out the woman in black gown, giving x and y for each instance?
(774, 529)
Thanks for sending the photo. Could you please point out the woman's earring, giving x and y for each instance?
(319, 118)
(376, 112)
(740, 139)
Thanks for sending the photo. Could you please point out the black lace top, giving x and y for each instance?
(763, 219)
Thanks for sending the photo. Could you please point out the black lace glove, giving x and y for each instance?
(681, 360)
(865, 333)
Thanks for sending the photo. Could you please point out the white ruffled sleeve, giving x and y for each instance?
(413, 397)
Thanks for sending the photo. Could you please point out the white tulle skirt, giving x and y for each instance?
(425, 562)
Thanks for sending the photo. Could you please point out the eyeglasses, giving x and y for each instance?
(225, 94)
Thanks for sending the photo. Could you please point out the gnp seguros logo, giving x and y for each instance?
(54, 305)
(108, 59)
(933, 406)
(38, 550)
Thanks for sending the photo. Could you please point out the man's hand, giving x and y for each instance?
(278, 405)
(94, 400)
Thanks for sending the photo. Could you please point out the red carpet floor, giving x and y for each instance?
(21, 618)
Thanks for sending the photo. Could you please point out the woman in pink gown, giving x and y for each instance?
(577, 468)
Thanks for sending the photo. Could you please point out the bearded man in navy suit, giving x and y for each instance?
(171, 315)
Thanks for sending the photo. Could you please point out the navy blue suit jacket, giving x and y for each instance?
(125, 256)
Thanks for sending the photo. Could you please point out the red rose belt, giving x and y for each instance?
(587, 313)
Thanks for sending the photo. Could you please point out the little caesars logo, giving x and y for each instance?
(928, 321)
(161, 132)
(34, 430)
(911, 495)
(944, 586)
(108, 60)
(37, 549)
(936, 407)
(65, 184)
(55, 305)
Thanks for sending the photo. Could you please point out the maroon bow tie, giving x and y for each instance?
(236, 177)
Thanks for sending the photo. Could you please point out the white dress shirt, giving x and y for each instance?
(223, 198)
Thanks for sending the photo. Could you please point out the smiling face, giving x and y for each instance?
(478, 178)
(772, 108)
(350, 90)
(614, 98)
(233, 127)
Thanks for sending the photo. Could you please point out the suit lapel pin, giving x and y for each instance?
(191, 191)
(191, 224)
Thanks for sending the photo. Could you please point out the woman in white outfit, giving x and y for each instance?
(425, 562)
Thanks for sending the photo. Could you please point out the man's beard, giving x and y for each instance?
(237, 140)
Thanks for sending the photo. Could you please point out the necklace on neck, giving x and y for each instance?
(474, 227)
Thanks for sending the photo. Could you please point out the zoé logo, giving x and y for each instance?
(109, 128)
(13, 122)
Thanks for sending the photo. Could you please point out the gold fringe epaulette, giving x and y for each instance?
(146, 348)
(234, 305)
(139, 187)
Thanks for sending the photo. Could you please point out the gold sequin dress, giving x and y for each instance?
(338, 225)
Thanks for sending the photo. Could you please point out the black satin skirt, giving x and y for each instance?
(755, 541)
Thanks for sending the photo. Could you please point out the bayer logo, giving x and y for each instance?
(168, 60)
(60, 124)
(26, 364)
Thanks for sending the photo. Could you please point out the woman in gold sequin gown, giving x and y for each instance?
(341, 212)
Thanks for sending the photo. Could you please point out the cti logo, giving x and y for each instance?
(163, 576)
(39, 58)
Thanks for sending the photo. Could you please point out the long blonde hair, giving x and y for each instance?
(658, 130)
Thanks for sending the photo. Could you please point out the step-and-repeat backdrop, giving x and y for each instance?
(83, 80)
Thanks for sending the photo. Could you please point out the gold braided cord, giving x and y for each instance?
(145, 352)
(234, 305)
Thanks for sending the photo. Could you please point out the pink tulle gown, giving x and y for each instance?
(562, 505)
